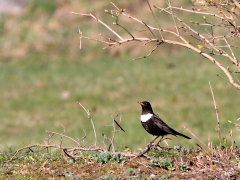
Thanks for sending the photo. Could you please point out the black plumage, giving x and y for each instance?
(154, 125)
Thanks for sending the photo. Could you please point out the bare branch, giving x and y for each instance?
(94, 17)
(89, 117)
(123, 27)
(236, 4)
(119, 125)
(221, 42)
(173, 16)
(155, 19)
(150, 52)
(62, 135)
(216, 110)
(42, 147)
(194, 136)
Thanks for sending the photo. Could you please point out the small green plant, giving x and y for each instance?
(117, 158)
(155, 162)
(117, 177)
(179, 148)
(106, 157)
(173, 153)
(165, 163)
(130, 171)
(133, 174)
(102, 157)
(182, 167)
(156, 153)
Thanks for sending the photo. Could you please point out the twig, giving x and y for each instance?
(89, 117)
(111, 142)
(113, 132)
(194, 135)
(69, 152)
(94, 17)
(236, 4)
(144, 151)
(85, 135)
(119, 125)
(14, 154)
(123, 28)
(216, 110)
(150, 51)
(159, 30)
(173, 17)
(68, 155)
(80, 38)
(62, 135)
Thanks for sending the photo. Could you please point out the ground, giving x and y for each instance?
(167, 164)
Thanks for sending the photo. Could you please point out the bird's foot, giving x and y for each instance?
(154, 146)
(144, 151)
(158, 147)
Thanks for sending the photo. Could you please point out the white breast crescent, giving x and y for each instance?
(146, 117)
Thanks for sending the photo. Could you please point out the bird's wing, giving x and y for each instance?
(162, 125)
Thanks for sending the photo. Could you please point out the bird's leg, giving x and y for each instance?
(159, 142)
(150, 144)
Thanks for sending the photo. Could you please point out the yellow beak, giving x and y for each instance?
(140, 103)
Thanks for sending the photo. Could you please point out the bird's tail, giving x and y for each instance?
(177, 133)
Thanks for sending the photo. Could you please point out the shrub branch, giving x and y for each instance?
(219, 45)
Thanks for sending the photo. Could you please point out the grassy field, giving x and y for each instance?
(44, 74)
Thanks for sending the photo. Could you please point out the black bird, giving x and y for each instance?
(154, 125)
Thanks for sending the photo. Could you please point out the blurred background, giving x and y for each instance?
(43, 74)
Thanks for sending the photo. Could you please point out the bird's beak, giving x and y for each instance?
(140, 103)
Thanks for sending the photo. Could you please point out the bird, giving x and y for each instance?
(154, 125)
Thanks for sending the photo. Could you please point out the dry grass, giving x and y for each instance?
(170, 164)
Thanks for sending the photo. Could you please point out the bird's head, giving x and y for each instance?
(146, 106)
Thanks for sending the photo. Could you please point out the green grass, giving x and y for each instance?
(41, 87)
(33, 100)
